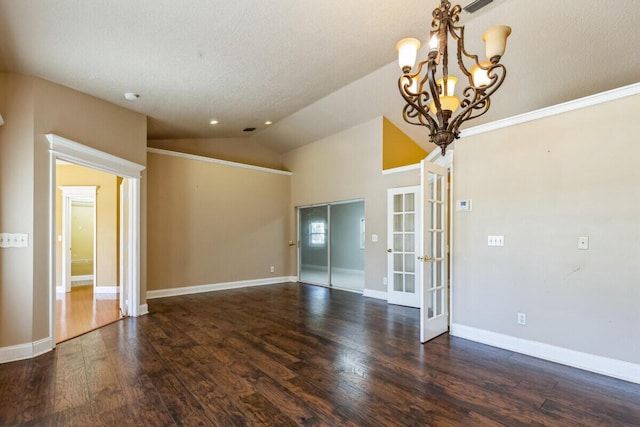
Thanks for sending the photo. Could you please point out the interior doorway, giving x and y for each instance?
(87, 294)
(126, 212)
(331, 244)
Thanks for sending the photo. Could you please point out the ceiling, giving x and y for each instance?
(311, 67)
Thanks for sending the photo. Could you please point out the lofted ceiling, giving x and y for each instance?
(313, 68)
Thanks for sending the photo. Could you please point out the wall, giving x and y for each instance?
(16, 209)
(542, 184)
(348, 166)
(214, 223)
(36, 107)
(240, 150)
(107, 219)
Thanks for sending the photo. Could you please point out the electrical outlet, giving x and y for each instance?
(522, 319)
(273, 269)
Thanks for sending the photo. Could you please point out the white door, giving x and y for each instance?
(434, 304)
(124, 244)
(404, 212)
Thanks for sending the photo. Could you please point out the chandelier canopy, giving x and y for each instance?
(430, 90)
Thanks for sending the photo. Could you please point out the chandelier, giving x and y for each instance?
(430, 90)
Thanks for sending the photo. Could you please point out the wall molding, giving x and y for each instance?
(588, 362)
(375, 294)
(143, 309)
(187, 290)
(81, 278)
(576, 104)
(400, 169)
(106, 289)
(216, 161)
(25, 351)
(68, 150)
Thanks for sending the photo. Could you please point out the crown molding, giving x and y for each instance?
(576, 104)
(216, 161)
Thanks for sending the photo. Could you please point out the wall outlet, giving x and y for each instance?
(272, 269)
(522, 319)
(385, 281)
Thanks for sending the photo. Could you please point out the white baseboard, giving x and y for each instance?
(186, 290)
(589, 362)
(375, 294)
(106, 289)
(143, 309)
(85, 278)
(25, 351)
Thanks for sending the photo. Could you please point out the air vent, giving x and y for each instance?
(476, 5)
(248, 129)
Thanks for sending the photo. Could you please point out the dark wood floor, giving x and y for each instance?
(297, 355)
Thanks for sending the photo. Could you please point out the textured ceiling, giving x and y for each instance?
(311, 67)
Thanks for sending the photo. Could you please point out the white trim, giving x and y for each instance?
(407, 168)
(106, 289)
(25, 351)
(186, 290)
(143, 309)
(375, 294)
(589, 362)
(84, 278)
(292, 279)
(74, 152)
(576, 104)
(65, 149)
(216, 161)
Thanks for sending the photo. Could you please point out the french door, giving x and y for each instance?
(433, 263)
(404, 213)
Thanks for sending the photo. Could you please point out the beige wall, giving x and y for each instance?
(211, 223)
(106, 222)
(346, 166)
(36, 107)
(16, 209)
(240, 150)
(542, 184)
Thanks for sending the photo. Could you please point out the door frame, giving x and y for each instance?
(74, 152)
(69, 195)
(299, 254)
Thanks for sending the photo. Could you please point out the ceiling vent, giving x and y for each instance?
(476, 5)
(248, 129)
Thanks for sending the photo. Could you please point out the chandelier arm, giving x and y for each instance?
(414, 107)
(435, 91)
(482, 97)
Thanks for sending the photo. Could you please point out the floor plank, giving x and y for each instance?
(294, 354)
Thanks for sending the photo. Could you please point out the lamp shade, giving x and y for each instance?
(480, 75)
(451, 85)
(407, 52)
(450, 103)
(495, 39)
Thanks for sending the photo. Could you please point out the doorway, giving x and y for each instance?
(87, 295)
(331, 241)
(62, 149)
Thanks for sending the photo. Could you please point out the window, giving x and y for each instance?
(317, 234)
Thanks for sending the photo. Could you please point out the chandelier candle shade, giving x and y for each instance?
(430, 91)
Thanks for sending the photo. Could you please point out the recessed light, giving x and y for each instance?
(213, 122)
(268, 122)
(131, 96)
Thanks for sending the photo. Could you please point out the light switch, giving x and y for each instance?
(495, 241)
(583, 242)
(4, 240)
(374, 237)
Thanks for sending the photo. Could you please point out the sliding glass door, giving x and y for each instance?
(331, 245)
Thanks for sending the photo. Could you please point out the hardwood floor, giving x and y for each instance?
(297, 355)
(80, 311)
